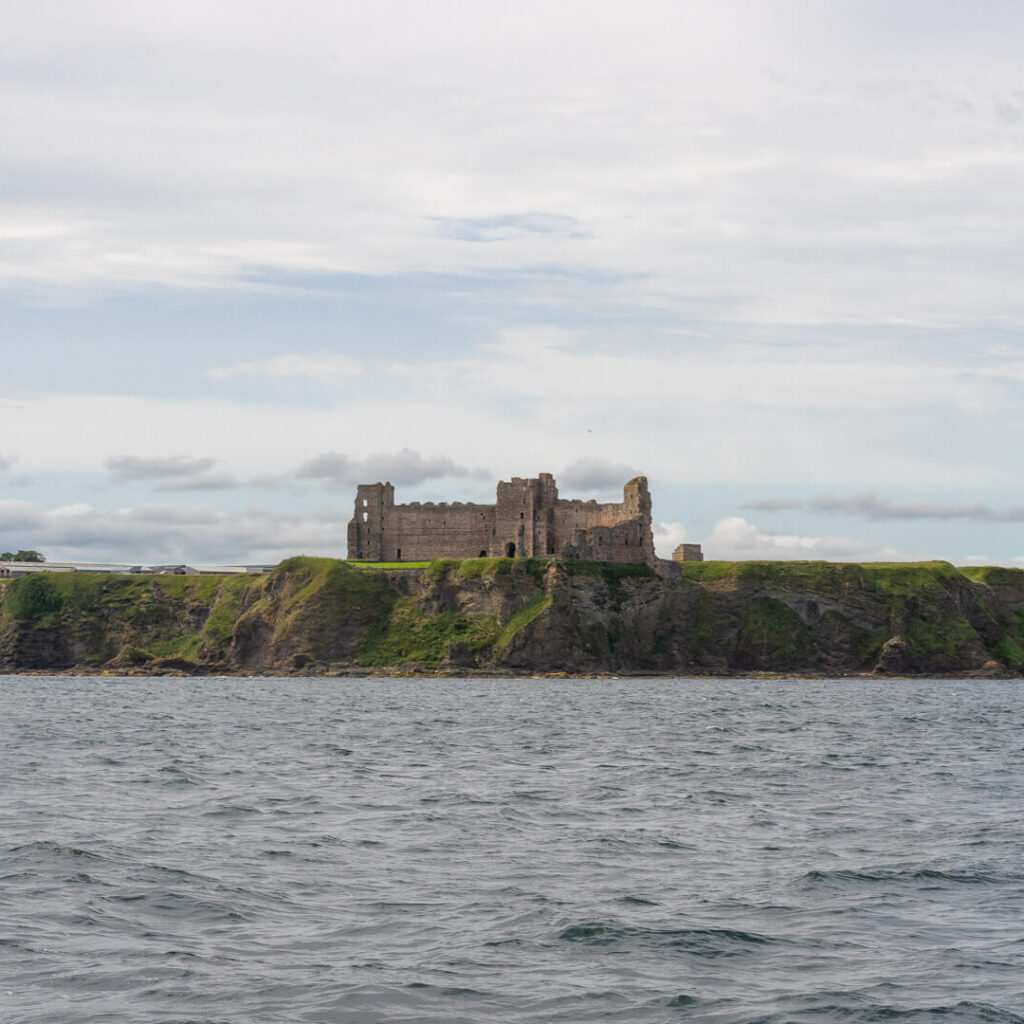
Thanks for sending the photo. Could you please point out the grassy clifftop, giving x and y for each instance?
(524, 615)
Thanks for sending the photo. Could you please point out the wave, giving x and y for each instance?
(842, 877)
(696, 941)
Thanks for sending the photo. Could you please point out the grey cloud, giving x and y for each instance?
(330, 466)
(6, 461)
(165, 533)
(596, 475)
(202, 482)
(404, 468)
(773, 505)
(125, 468)
(871, 505)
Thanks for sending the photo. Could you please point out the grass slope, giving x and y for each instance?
(321, 612)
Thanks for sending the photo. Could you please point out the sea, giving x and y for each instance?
(246, 850)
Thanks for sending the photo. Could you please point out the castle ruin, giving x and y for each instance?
(527, 520)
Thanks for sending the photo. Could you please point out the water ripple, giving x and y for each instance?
(233, 851)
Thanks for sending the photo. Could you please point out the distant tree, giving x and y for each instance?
(21, 556)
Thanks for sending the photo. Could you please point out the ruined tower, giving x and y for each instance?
(366, 529)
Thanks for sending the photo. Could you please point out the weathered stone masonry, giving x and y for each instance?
(527, 520)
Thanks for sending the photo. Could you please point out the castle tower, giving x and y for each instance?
(369, 521)
(636, 502)
(524, 518)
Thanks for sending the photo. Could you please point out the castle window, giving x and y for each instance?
(483, 554)
(522, 515)
(366, 515)
(398, 555)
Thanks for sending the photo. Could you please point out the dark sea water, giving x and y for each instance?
(250, 850)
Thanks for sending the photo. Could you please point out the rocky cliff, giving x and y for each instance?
(525, 616)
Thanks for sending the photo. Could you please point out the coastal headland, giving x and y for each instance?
(524, 616)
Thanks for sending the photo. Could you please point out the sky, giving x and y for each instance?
(766, 252)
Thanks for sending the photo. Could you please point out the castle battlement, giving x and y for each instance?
(528, 519)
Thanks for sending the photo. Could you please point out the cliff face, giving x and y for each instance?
(525, 616)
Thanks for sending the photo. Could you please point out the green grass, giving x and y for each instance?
(943, 636)
(33, 597)
(224, 613)
(306, 596)
(536, 606)
(993, 575)
(132, 619)
(772, 632)
(387, 565)
(410, 634)
(536, 568)
(184, 647)
(814, 574)
(474, 568)
(1009, 651)
(318, 608)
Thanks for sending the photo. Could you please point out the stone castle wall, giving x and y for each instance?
(528, 519)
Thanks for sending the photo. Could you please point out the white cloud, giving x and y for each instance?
(670, 416)
(667, 537)
(974, 560)
(809, 178)
(736, 539)
(326, 366)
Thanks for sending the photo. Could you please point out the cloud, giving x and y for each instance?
(667, 537)
(596, 475)
(325, 366)
(736, 539)
(215, 481)
(845, 190)
(180, 473)
(6, 461)
(871, 505)
(403, 468)
(774, 505)
(509, 226)
(129, 468)
(158, 533)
